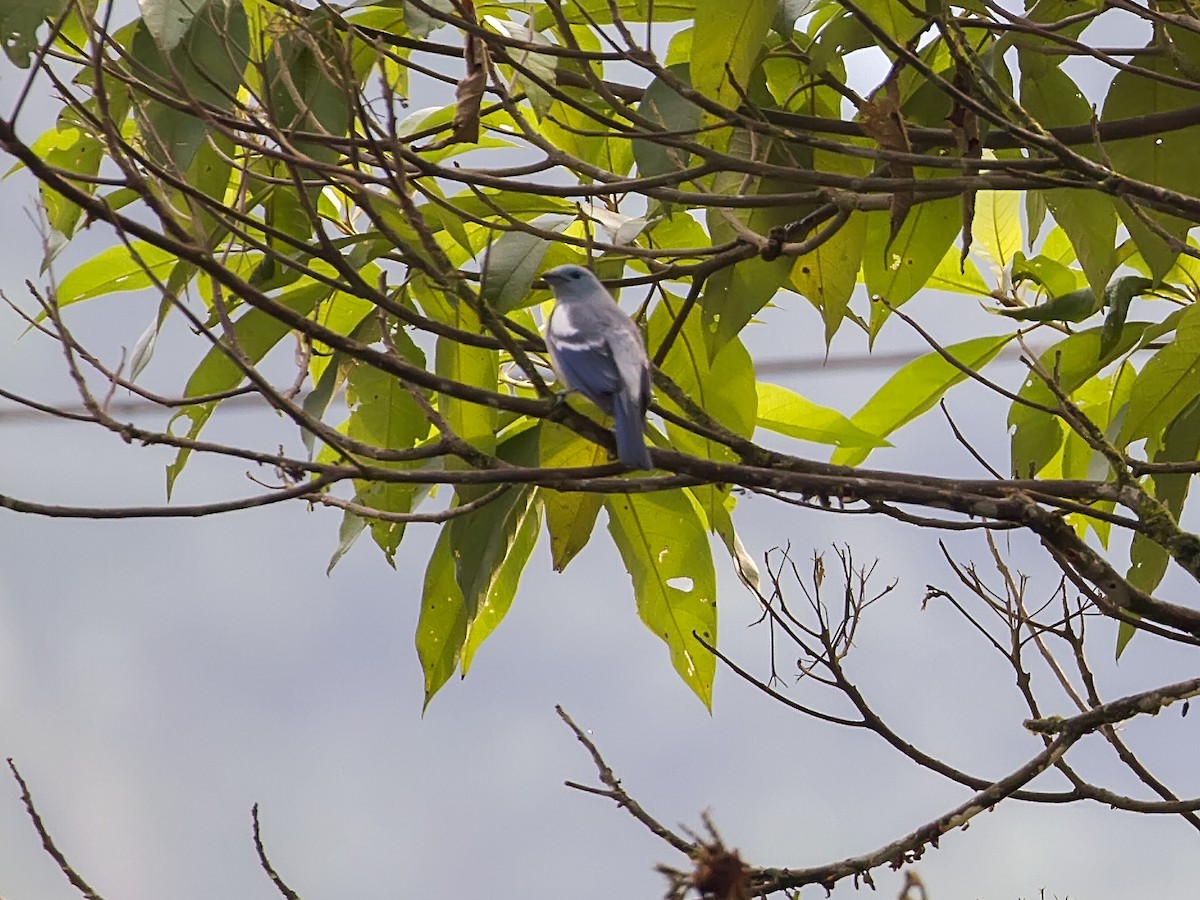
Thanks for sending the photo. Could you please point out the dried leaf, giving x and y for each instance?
(881, 119)
(965, 125)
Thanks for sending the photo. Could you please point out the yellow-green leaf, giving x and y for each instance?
(663, 543)
(726, 42)
(917, 387)
(786, 412)
(570, 516)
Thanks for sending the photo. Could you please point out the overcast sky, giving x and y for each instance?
(157, 678)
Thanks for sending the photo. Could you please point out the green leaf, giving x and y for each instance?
(786, 412)
(1045, 272)
(1035, 213)
(670, 112)
(204, 61)
(828, 276)
(898, 271)
(917, 387)
(1102, 399)
(1168, 382)
(726, 43)
(997, 226)
(349, 532)
(787, 13)
(513, 261)
(961, 276)
(306, 88)
(255, 333)
(19, 24)
(420, 23)
(500, 557)
(432, 118)
(895, 17)
(1088, 217)
(124, 267)
(570, 515)
(1117, 296)
(723, 387)
(1036, 435)
(1166, 159)
(72, 147)
(471, 580)
(168, 20)
(444, 619)
(733, 294)
(662, 540)
(383, 413)
(1073, 307)
(476, 366)
(1181, 443)
(600, 12)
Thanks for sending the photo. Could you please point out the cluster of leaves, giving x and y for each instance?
(722, 162)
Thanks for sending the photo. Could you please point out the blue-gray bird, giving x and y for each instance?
(597, 350)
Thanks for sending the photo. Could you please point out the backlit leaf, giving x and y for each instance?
(915, 388)
(662, 541)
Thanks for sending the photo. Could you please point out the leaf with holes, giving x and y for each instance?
(663, 543)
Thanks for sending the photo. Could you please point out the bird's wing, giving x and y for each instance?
(583, 358)
(633, 367)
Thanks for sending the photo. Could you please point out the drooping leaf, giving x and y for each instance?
(726, 43)
(734, 294)
(662, 540)
(997, 227)
(470, 582)
(476, 366)
(570, 516)
(349, 532)
(1088, 217)
(1036, 435)
(1181, 443)
(1160, 158)
(828, 276)
(1167, 384)
(19, 24)
(505, 554)
(663, 106)
(444, 618)
(896, 269)
(722, 386)
(168, 20)
(386, 415)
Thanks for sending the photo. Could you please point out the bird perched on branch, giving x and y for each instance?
(597, 350)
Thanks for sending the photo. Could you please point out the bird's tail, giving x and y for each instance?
(629, 421)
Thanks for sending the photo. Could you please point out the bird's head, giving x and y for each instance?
(572, 283)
